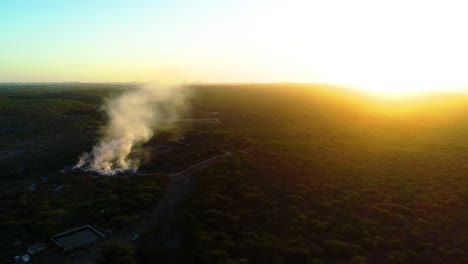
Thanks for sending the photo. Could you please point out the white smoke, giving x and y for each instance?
(133, 118)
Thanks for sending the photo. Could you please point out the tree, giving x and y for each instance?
(116, 253)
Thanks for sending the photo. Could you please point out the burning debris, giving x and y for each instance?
(133, 117)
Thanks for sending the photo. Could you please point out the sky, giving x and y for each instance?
(386, 46)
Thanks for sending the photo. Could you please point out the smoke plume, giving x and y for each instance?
(133, 118)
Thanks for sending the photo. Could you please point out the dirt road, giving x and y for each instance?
(163, 213)
(159, 218)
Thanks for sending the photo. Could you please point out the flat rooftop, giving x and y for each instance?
(78, 237)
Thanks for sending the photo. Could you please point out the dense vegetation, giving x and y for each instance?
(333, 177)
(43, 128)
(316, 175)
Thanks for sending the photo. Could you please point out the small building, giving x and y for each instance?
(77, 238)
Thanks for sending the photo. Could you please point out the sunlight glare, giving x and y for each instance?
(391, 49)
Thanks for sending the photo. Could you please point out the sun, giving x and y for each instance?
(393, 71)
(396, 87)
(385, 78)
(394, 49)
(394, 66)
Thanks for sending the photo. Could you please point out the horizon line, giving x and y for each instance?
(330, 85)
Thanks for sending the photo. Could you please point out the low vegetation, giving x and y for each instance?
(317, 175)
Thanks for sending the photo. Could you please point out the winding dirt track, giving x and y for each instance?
(160, 217)
(175, 193)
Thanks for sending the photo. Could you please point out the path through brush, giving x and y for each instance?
(163, 214)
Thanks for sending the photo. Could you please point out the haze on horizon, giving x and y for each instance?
(392, 46)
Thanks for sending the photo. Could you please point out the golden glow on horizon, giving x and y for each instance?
(388, 48)
(395, 48)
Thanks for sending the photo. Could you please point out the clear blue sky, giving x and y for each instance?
(374, 44)
(69, 40)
